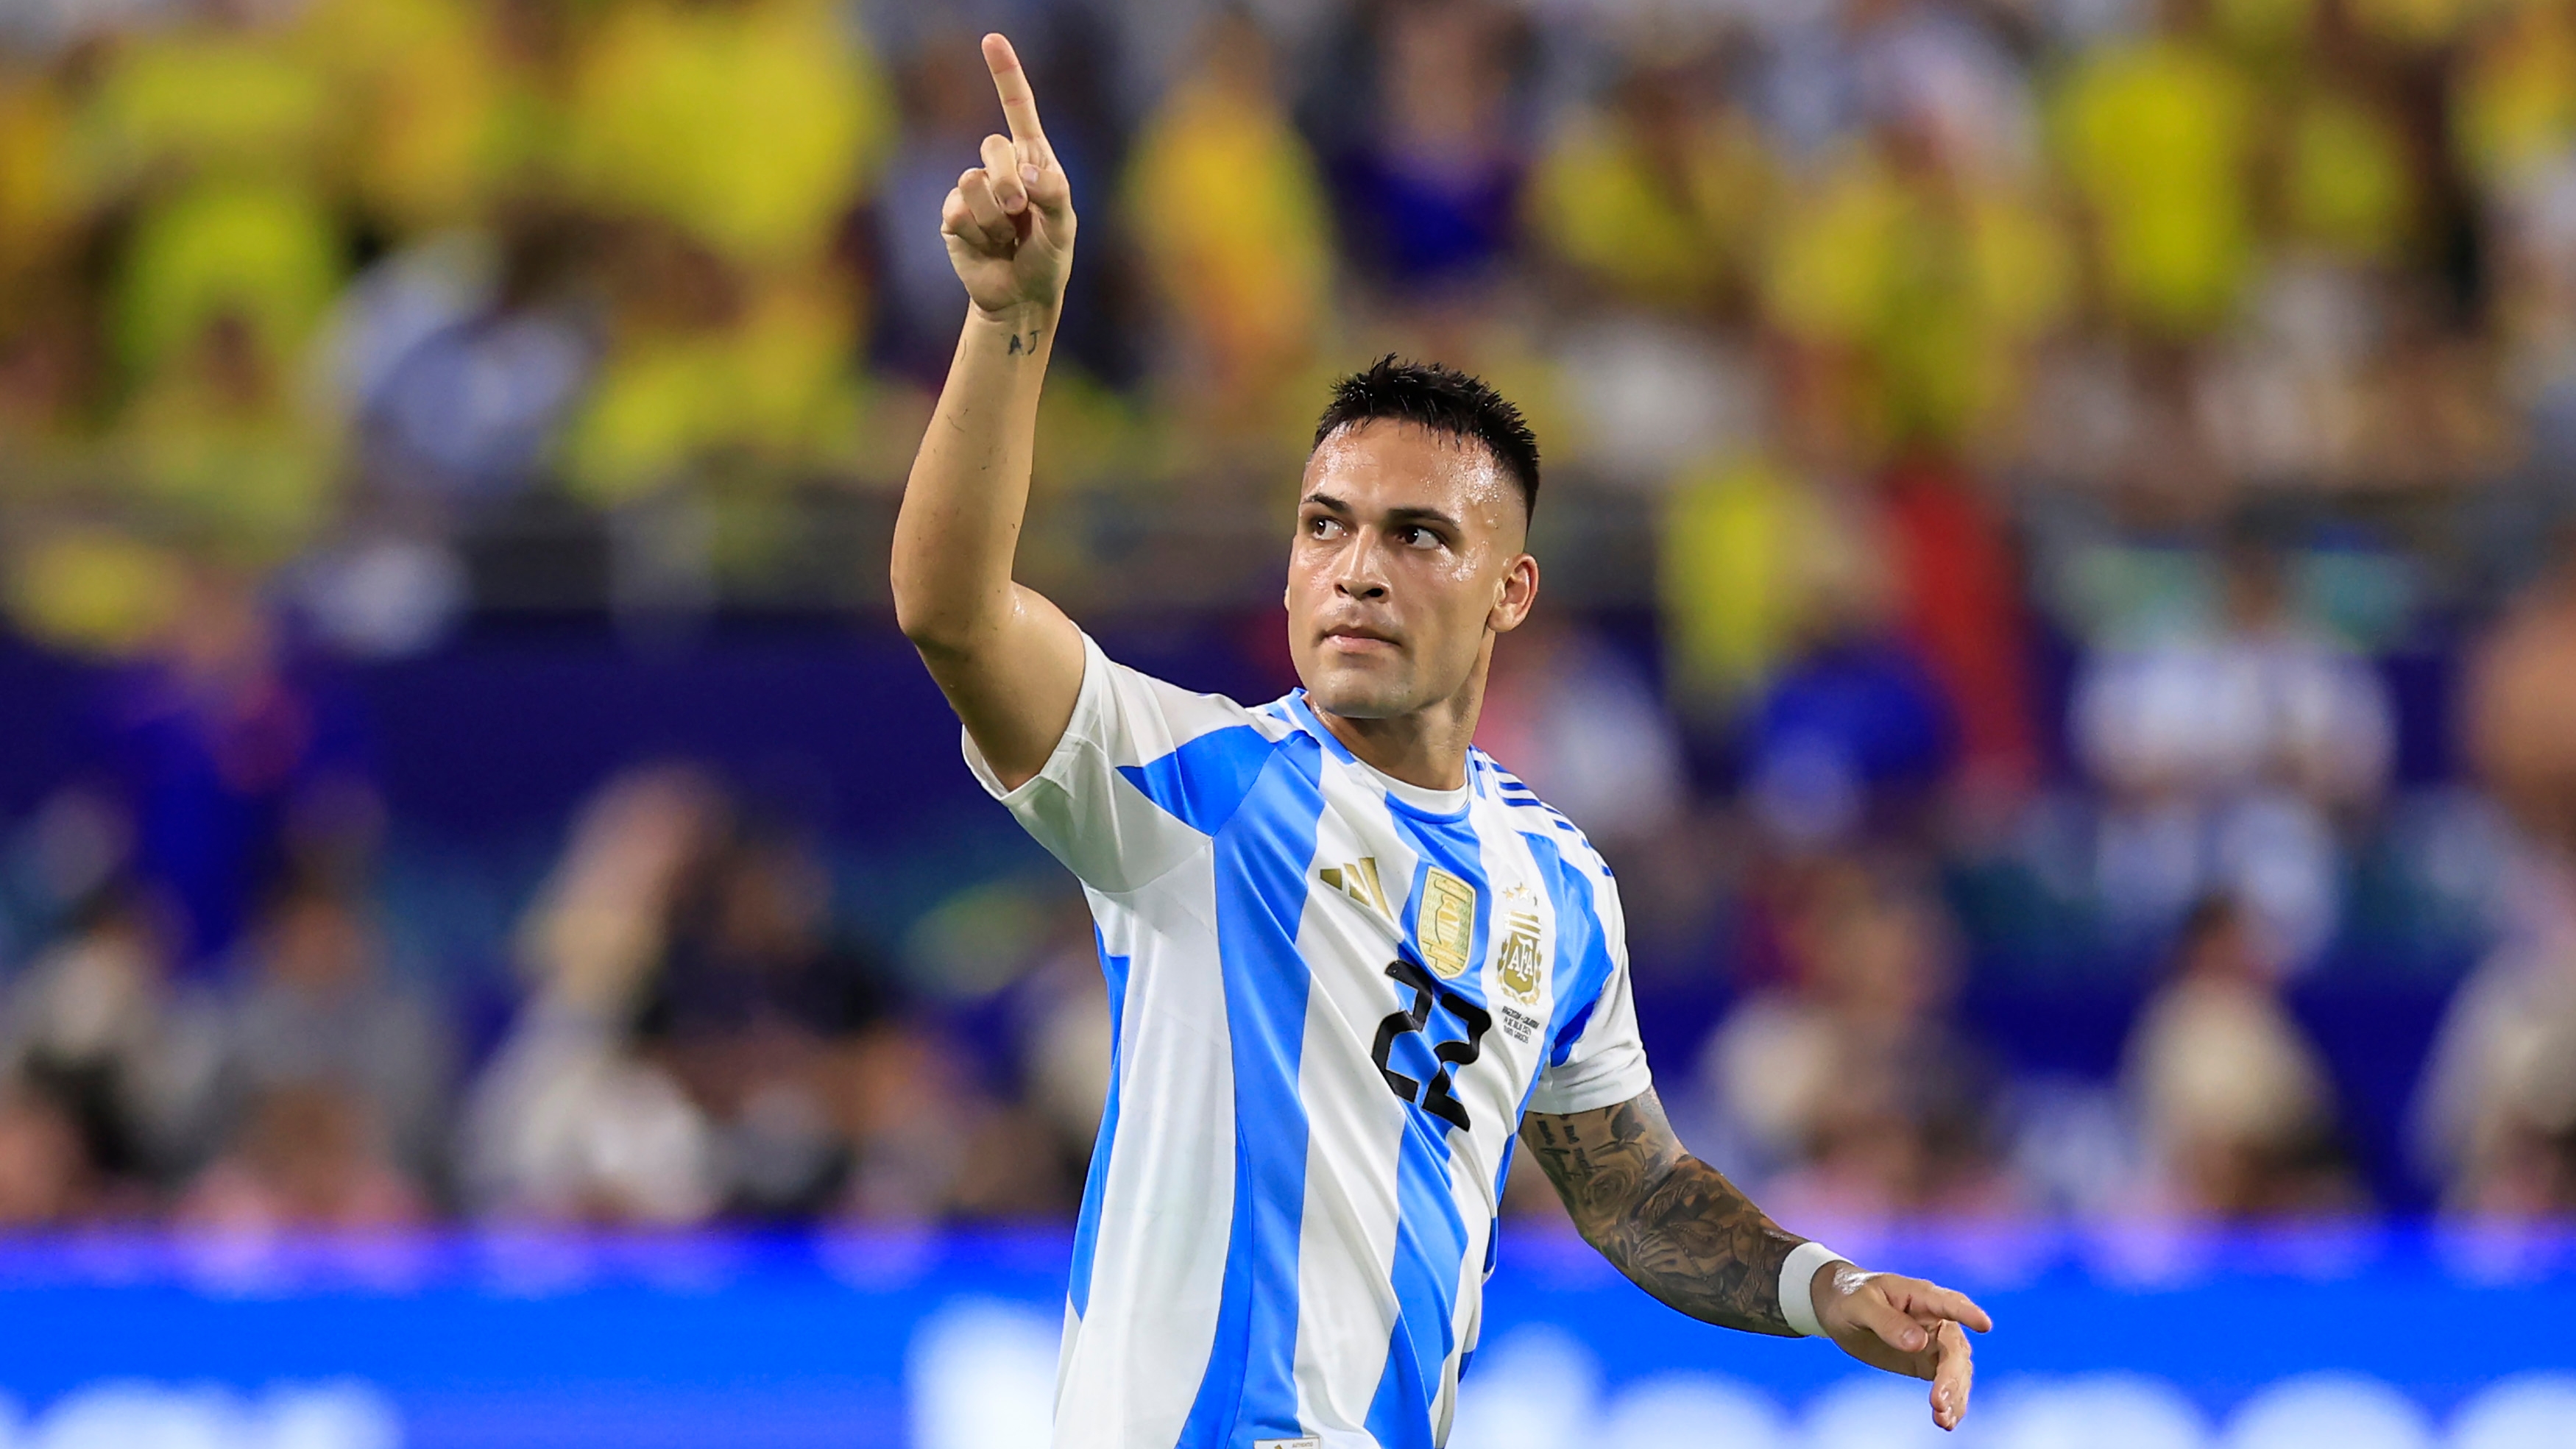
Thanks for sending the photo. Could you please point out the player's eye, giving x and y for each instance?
(1419, 537)
(1323, 526)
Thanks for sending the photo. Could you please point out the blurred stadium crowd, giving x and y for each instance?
(2043, 494)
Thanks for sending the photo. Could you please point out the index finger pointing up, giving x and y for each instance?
(1019, 103)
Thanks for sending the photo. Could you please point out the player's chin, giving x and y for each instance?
(1361, 689)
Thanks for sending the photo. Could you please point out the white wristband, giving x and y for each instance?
(1798, 1286)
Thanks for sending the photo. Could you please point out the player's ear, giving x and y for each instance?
(1514, 595)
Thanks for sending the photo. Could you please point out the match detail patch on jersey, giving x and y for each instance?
(1447, 925)
(1309, 1442)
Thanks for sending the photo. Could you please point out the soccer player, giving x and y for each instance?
(1349, 955)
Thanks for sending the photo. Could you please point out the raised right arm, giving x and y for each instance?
(1009, 661)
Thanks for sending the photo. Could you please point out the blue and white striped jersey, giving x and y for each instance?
(1334, 995)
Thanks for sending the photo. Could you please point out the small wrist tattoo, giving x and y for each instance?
(1028, 344)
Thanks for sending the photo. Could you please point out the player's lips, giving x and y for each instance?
(1359, 636)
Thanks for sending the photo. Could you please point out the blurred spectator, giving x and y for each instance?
(2516, 132)
(319, 1013)
(1754, 560)
(218, 743)
(2229, 752)
(1851, 1081)
(39, 209)
(1429, 192)
(986, 1106)
(566, 1128)
(217, 88)
(2158, 137)
(568, 1122)
(46, 1177)
(2520, 700)
(2496, 1116)
(130, 1059)
(462, 355)
(1567, 712)
(217, 436)
(698, 1045)
(434, 101)
(904, 1108)
(213, 130)
(709, 359)
(754, 125)
(1065, 1050)
(931, 1145)
(1648, 206)
(2237, 1108)
(1946, 73)
(749, 996)
(1918, 275)
(1244, 283)
(1852, 732)
(1656, 197)
(307, 1157)
(1961, 580)
(727, 143)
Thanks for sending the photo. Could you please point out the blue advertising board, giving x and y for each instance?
(2354, 1340)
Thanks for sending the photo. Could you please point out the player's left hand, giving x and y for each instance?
(1906, 1326)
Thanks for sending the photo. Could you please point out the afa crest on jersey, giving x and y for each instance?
(1523, 958)
(1519, 965)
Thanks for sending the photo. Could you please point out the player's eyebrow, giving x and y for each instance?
(1431, 516)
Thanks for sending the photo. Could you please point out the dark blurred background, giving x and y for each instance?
(2060, 590)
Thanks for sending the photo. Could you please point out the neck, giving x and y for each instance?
(1426, 747)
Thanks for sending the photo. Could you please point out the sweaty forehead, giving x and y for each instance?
(1382, 465)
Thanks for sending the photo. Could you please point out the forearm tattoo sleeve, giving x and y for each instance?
(1671, 1222)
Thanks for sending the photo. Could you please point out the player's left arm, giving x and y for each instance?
(1685, 1234)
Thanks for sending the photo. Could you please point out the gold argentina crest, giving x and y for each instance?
(1447, 923)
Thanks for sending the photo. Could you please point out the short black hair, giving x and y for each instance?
(1444, 400)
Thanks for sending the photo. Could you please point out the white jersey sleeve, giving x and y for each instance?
(1598, 1060)
(1085, 805)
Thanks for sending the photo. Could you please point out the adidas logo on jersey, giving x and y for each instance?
(1358, 880)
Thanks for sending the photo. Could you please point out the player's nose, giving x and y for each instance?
(1357, 573)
